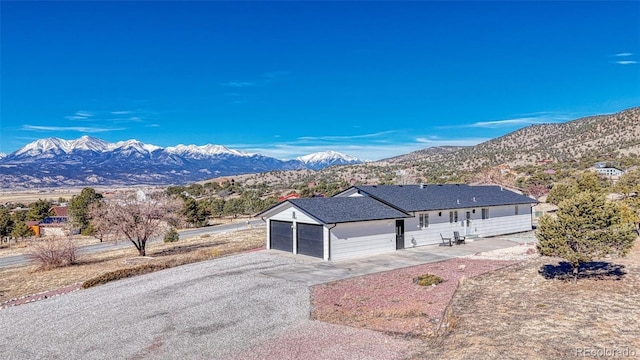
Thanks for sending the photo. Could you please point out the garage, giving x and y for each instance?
(281, 235)
(310, 239)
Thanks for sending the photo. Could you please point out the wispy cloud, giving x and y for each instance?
(266, 79)
(624, 54)
(126, 112)
(80, 116)
(240, 84)
(626, 62)
(82, 129)
(532, 119)
(347, 137)
(507, 122)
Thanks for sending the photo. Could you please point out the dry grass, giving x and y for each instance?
(17, 282)
(516, 313)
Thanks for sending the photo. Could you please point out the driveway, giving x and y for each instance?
(220, 309)
(248, 306)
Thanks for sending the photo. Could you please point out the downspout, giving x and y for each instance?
(329, 240)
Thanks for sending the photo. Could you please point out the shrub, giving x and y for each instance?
(171, 236)
(53, 252)
(427, 280)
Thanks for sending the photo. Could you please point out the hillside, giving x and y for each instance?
(596, 136)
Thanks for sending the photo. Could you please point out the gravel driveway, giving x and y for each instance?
(220, 309)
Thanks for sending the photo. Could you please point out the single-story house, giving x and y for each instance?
(607, 169)
(367, 220)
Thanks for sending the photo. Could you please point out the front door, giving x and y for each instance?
(467, 224)
(399, 234)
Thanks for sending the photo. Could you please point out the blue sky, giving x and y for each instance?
(370, 79)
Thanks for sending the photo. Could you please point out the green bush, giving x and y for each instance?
(427, 280)
(171, 236)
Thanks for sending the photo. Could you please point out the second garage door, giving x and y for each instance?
(309, 238)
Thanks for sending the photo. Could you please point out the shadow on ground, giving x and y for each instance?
(598, 270)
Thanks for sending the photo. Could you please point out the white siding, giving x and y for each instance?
(288, 212)
(350, 240)
(349, 192)
(502, 220)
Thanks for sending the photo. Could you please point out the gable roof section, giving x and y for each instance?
(347, 209)
(411, 198)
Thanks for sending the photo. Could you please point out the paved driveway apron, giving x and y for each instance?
(312, 271)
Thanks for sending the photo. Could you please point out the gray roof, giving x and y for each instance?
(410, 198)
(347, 209)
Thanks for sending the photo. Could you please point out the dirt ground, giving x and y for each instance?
(25, 281)
(496, 309)
(529, 311)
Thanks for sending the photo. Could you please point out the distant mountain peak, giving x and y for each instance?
(204, 150)
(326, 155)
(323, 159)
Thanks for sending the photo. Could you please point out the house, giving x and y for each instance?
(373, 219)
(607, 169)
(54, 225)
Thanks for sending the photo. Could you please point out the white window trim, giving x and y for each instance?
(424, 219)
(453, 216)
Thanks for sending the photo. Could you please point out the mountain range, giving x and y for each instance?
(87, 160)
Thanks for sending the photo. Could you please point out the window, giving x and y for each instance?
(424, 221)
(485, 213)
(516, 209)
(453, 216)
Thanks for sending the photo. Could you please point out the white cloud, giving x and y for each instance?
(82, 129)
(626, 62)
(624, 54)
(346, 137)
(267, 78)
(121, 112)
(240, 84)
(84, 113)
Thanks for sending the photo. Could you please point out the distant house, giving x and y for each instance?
(367, 220)
(53, 225)
(607, 169)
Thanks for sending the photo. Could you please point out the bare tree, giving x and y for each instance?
(138, 219)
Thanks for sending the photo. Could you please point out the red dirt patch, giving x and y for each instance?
(391, 302)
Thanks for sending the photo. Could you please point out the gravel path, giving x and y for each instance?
(217, 309)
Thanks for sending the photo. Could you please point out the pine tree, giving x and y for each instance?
(585, 227)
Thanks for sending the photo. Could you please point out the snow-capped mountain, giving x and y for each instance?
(197, 152)
(2, 155)
(324, 159)
(90, 161)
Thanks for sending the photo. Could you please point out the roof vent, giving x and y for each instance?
(474, 199)
(421, 185)
(458, 201)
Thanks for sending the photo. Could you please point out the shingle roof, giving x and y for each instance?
(410, 198)
(347, 209)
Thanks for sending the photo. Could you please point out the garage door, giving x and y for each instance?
(281, 234)
(310, 240)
